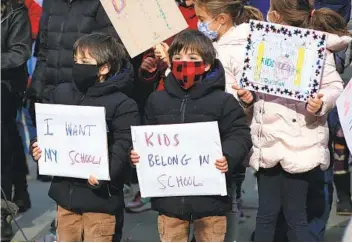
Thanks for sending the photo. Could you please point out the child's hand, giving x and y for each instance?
(222, 165)
(93, 181)
(161, 51)
(244, 95)
(149, 65)
(134, 157)
(36, 152)
(314, 104)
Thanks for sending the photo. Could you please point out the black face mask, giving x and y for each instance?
(84, 76)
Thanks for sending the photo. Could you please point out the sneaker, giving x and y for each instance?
(344, 208)
(138, 204)
(6, 228)
(127, 191)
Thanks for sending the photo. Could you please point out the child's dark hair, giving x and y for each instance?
(104, 48)
(195, 41)
(301, 13)
(239, 12)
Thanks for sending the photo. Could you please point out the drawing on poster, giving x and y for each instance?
(283, 60)
(119, 5)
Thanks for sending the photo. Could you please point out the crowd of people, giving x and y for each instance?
(298, 149)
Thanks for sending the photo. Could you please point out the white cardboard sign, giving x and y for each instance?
(73, 140)
(179, 160)
(344, 108)
(142, 24)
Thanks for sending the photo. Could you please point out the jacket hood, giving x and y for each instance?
(337, 43)
(237, 35)
(213, 80)
(122, 81)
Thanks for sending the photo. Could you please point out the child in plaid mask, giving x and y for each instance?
(195, 92)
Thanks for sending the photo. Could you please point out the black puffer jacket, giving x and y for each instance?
(121, 114)
(207, 101)
(62, 23)
(16, 46)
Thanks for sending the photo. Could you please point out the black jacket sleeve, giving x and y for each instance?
(18, 42)
(149, 116)
(235, 133)
(126, 115)
(35, 91)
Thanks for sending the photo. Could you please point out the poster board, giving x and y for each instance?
(73, 140)
(344, 109)
(143, 24)
(179, 160)
(283, 60)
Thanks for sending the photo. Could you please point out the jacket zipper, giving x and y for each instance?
(183, 108)
(183, 111)
(70, 195)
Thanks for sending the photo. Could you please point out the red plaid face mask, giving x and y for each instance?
(187, 73)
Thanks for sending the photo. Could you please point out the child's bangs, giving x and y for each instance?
(186, 47)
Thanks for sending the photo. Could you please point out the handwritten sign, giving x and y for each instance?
(179, 160)
(143, 24)
(344, 108)
(73, 140)
(283, 61)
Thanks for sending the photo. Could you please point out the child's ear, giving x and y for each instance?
(104, 70)
(207, 67)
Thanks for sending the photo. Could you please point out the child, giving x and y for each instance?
(291, 137)
(151, 74)
(194, 92)
(86, 208)
(226, 23)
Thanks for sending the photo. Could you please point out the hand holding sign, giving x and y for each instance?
(134, 158)
(315, 104)
(222, 165)
(149, 65)
(244, 95)
(92, 180)
(37, 152)
(161, 51)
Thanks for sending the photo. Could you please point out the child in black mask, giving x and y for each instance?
(101, 70)
(194, 92)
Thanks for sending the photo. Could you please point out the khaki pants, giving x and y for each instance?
(207, 229)
(93, 227)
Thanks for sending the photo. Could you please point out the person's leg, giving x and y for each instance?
(173, 229)
(232, 216)
(210, 229)
(269, 191)
(294, 196)
(69, 226)
(342, 175)
(319, 200)
(281, 229)
(98, 227)
(20, 172)
(120, 216)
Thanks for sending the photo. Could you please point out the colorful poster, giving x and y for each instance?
(283, 61)
(143, 24)
(344, 108)
(175, 160)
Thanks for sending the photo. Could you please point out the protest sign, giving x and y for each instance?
(344, 108)
(179, 160)
(143, 24)
(73, 140)
(283, 61)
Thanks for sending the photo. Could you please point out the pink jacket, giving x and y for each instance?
(284, 132)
